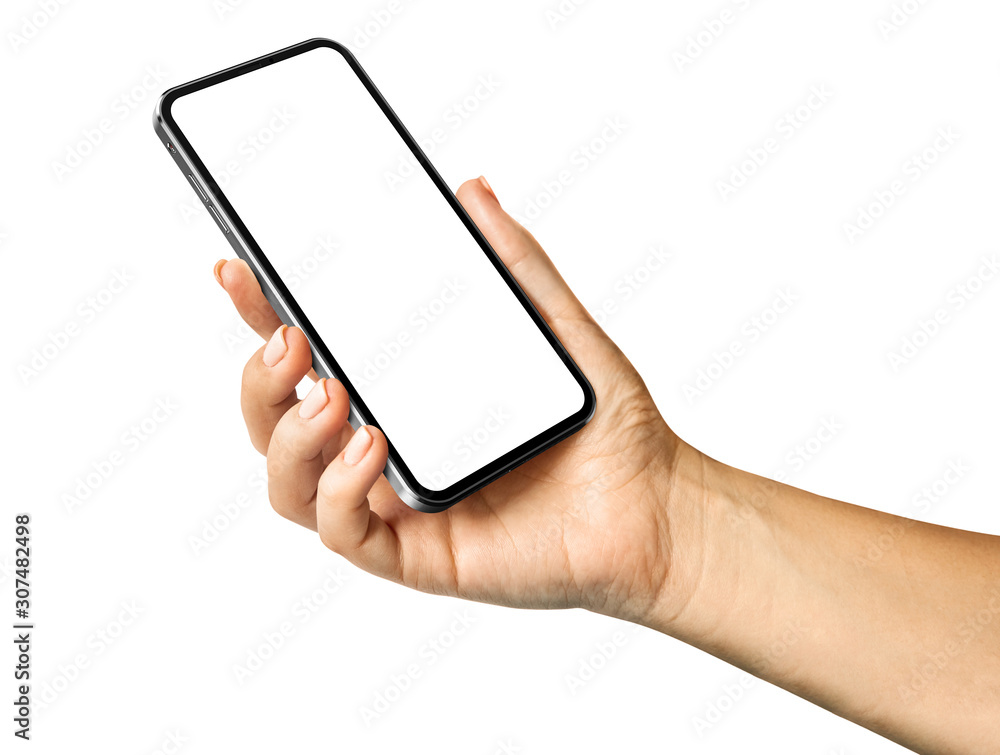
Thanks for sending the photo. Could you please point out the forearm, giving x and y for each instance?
(891, 623)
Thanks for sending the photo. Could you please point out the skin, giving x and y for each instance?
(888, 622)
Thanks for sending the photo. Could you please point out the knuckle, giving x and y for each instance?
(329, 541)
(288, 443)
(259, 442)
(327, 489)
(277, 461)
(250, 370)
(280, 505)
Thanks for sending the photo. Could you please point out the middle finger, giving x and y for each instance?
(269, 381)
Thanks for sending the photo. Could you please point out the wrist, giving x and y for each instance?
(718, 558)
(696, 557)
(742, 584)
(666, 542)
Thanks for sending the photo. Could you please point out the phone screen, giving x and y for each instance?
(446, 359)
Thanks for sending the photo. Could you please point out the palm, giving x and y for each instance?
(554, 523)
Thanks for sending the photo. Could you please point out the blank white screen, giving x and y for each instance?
(445, 357)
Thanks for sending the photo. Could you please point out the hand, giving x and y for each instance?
(623, 518)
(582, 524)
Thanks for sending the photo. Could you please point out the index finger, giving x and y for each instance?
(239, 282)
(236, 277)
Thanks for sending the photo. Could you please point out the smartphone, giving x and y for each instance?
(296, 157)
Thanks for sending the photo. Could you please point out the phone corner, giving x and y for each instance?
(589, 407)
(161, 112)
(339, 47)
(409, 496)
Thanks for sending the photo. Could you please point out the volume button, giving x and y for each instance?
(218, 219)
(197, 187)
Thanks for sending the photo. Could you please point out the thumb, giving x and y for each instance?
(522, 255)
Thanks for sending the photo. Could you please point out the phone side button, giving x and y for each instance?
(197, 187)
(218, 218)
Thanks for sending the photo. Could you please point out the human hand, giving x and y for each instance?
(584, 524)
(625, 519)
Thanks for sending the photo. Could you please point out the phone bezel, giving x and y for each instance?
(415, 494)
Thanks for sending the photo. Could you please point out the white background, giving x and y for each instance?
(171, 335)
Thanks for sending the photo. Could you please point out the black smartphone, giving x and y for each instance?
(407, 305)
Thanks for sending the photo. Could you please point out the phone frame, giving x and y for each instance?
(396, 471)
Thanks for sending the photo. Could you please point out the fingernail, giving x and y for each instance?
(358, 446)
(217, 271)
(314, 402)
(486, 184)
(276, 347)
